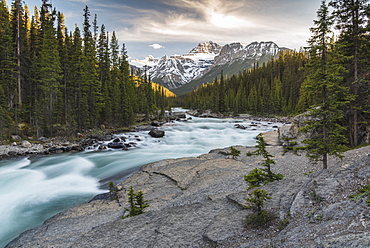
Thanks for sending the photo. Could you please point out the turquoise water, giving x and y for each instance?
(33, 190)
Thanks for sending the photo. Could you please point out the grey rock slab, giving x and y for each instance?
(183, 226)
(65, 228)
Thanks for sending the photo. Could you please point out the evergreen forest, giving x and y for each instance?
(330, 78)
(59, 82)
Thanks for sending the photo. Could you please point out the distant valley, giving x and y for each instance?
(183, 73)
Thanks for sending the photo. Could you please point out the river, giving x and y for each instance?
(34, 189)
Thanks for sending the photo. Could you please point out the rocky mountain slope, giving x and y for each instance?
(199, 202)
(175, 71)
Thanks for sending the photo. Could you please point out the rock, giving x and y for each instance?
(16, 137)
(26, 144)
(180, 115)
(116, 145)
(12, 153)
(155, 124)
(271, 138)
(44, 140)
(156, 133)
(240, 126)
(80, 135)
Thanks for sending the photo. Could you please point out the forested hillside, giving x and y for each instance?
(272, 88)
(332, 74)
(58, 82)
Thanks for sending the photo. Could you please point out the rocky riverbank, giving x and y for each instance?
(198, 202)
(20, 147)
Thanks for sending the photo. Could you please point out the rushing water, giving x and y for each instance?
(33, 190)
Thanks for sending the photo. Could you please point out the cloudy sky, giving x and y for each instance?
(167, 27)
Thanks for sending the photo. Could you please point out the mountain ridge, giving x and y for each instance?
(177, 71)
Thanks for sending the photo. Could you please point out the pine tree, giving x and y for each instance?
(19, 37)
(50, 71)
(90, 74)
(6, 69)
(234, 152)
(104, 76)
(324, 82)
(141, 202)
(128, 96)
(257, 200)
(113, 191)
(263, 175)
(136, 202)
(352, 22)
(7, 65)
(115, 81)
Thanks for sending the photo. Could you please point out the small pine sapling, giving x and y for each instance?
(259, 217)
(113, 191)
(136, 202)
(234, 152)
(132, 209)
(255, 178)
(261, 151)
(257, 200)
(140, 202)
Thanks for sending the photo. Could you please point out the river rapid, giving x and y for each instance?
(34, 189)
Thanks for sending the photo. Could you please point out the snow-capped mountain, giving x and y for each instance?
(177, 70)
(238, 51)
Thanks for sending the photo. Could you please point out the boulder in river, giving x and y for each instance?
(116, 144)
(156, 133)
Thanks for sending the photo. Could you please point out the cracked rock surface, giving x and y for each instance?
(198, 202)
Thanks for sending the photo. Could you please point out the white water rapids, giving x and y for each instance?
(33, 190)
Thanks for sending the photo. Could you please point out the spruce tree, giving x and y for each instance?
(90, 74)
(115, 80)
(136, 202)
(50, 72)
(8, 67)
(128, 96)
(324, 82)
(263, 175)
(352, 19)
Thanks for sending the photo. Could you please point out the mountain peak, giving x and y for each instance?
(207, 47)
(177, 70)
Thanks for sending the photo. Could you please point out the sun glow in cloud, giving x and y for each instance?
(217, 20)
(227, 21)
